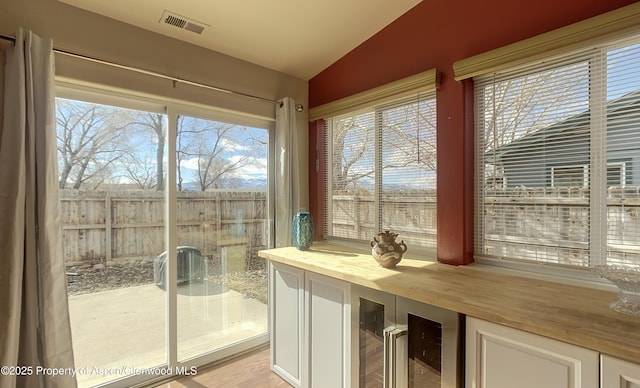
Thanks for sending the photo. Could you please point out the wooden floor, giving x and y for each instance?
(251, 370)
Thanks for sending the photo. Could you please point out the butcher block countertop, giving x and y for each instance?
(569, 313)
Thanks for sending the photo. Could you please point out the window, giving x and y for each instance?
(558, 142)
(579, 175)
(617, 174)
(140, 179)
(570, 176)
(382, 172)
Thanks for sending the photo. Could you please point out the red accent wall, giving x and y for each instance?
(317, 174)
(435, 34)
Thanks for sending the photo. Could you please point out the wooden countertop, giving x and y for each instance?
(569, 313)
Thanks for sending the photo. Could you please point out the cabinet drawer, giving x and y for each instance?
(499, 356)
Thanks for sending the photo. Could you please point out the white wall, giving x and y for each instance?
(82, 32)
(79, 31)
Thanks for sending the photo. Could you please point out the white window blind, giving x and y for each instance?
(558, 159)
(382, 172)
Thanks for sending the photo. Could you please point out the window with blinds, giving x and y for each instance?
(382, 172)
(558, 159)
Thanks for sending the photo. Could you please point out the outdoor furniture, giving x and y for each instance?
(190, 267)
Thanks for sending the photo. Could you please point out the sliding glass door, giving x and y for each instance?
(164, 210)
(221, 181)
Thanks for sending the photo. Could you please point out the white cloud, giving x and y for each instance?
(191, 164)
(231, 146)
(256, 168)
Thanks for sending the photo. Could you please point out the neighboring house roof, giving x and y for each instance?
(581, 120)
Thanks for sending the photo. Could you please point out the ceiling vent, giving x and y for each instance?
(182, 22)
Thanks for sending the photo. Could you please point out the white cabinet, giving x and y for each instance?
(310, 319)
(616, 373)
(328, 319)
(286, 310)
(498, 356)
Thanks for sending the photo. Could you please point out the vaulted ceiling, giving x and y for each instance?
(296, 37)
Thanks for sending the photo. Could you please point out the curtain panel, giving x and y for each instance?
(285, 140)
(35, 332)
(291, 175)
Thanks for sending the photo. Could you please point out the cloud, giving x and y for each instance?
(191, 164)
(231, 146)
(255, 168)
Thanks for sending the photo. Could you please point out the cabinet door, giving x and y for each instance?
(373, 312)
(427, 356)
(286, 309)
(498, 356)
(328, 313)
(619, 373)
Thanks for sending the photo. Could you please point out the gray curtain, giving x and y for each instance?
(34, 316)
(291, 169)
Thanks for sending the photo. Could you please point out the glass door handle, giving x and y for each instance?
(386, 366)
(391, 334)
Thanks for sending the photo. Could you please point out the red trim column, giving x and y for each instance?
(455, 171)
(317, 176)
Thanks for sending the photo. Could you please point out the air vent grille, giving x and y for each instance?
(197, 28)
(174, 21)
(182, 22)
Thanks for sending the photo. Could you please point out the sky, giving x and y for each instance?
(130, 148)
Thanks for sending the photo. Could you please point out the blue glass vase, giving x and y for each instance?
(302, 230)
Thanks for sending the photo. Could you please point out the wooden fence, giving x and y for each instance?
(412, 215)
(553, 224)
(543, 224)
(126, 225)
(105, 226)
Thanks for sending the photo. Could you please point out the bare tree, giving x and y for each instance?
(407, 136)
(520, 106)
(181, 154)
(90, 140)
(353, 139)
(155, 123)
(517, 107)
(219, 149)
(216, 172)
(140, 170)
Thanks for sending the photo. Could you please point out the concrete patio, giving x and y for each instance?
(126, 327)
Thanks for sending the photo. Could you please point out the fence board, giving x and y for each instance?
(100, 226)
(552, 224)
(413, 215)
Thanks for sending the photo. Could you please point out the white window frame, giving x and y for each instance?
(615, 24)
(416, 251)
(330, 159)
(622, 177)
(623, 172)
(583, 167)
(595, 175)
(129, 99)
(412, 86)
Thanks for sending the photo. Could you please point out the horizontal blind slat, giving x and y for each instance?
(383, 172)
(538, 163)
